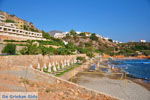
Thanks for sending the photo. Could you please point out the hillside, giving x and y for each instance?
(134, 48)
(18, 22)
(83, 41)
(70, 42)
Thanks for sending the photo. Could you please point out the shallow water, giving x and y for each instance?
(139, 68)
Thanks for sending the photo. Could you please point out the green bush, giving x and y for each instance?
(82, 34)
(31, 49)
(146, 52)
(90, 54)
(82, 59)
(13, 41)
(82, 50)
(9, 49)
(63, 51)
(46, 35)
(93, 37)
(47, 51)
(73, 32)
(9, 21)
(71, 47)
(110, 40)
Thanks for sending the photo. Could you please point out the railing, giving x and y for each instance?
(20, 32)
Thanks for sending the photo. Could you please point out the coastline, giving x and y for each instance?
(140, 82)
(113, 84)
(124, 89)
(134, 79)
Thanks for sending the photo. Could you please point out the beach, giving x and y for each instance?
(124, 89)
(116, 83)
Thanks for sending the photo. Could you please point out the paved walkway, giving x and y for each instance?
(124, 89)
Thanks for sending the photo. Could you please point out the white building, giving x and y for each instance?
(59, 35)
(106, 38)
(11, 25)
(99, 36)
(10, 29)
(143, 41)
(78, 32)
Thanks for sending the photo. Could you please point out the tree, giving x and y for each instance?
(9, 21)
(25, 27)
(45, 50)
(82, 34)
(31, 49)
(71, 47)
(110, 40)
(46, 35)
(10, 49)
(93, 37)
(73, 32)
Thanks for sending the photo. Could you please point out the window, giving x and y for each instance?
(9, 29)
(5, 29)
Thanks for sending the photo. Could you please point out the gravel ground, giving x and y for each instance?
(124, 89)
(22, 79)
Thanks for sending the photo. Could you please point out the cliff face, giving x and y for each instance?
(20, 23)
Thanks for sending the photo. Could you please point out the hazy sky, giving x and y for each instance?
(122, 20)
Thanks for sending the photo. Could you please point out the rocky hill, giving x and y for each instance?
(85, 42)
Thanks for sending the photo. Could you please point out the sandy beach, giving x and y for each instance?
(123, 89)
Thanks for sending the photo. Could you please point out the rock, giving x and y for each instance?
(57, 81)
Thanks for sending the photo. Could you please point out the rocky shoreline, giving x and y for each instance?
(143, 82)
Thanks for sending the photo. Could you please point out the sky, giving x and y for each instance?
(123, 20)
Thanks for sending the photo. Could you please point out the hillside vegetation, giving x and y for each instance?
(134, 49)
(75, 43)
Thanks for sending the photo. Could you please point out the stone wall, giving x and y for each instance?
(34, 60)
(18, 48)
(3, 37)
(1, 47)
(73, 72)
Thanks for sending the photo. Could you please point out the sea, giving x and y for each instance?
(138, 68)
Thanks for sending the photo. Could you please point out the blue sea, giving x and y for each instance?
(139, 68)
